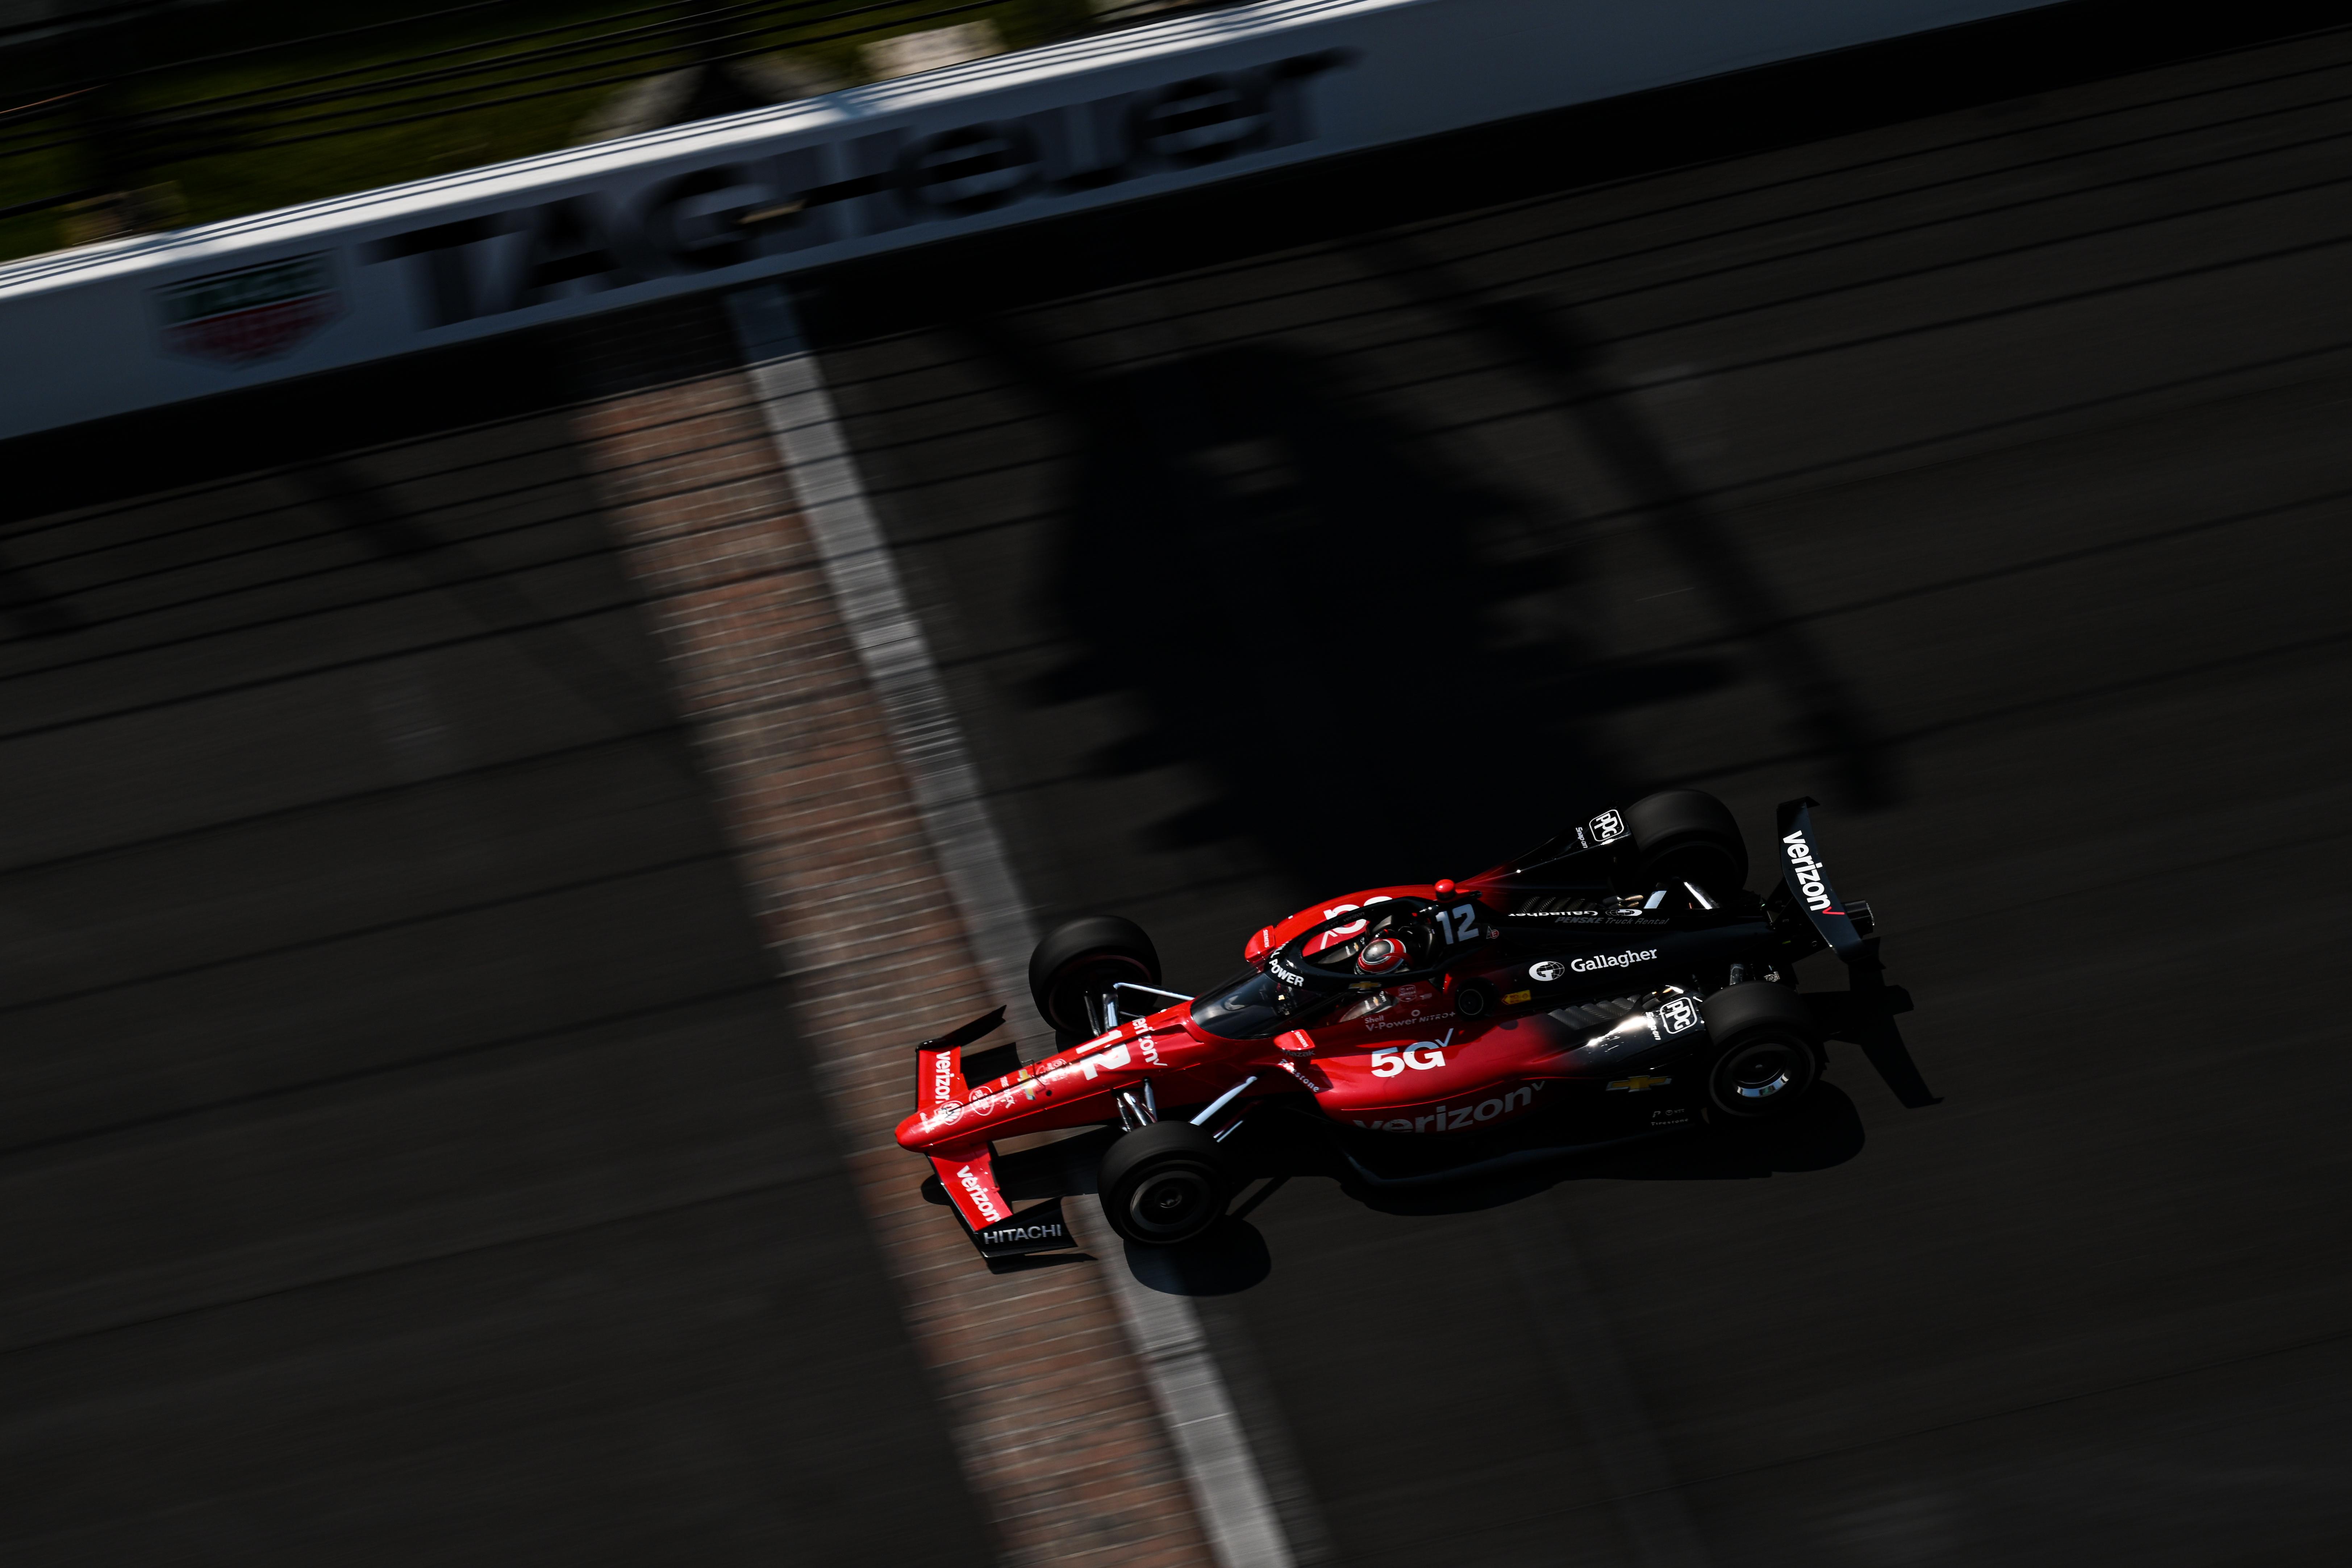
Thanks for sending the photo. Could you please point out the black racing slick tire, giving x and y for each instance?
(1688, 836)
(1766, 1053)
(1164, 1185)
(1085, 957)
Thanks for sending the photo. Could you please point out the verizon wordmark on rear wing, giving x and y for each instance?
(1809, 879)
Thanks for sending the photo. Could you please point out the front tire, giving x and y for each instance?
(1164, 1185)
(1767, 1053)
(1083, 958)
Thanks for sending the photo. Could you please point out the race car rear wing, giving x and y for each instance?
(1807, 882)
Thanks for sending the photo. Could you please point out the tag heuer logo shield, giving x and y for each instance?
(252, 314)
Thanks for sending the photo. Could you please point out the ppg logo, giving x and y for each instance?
(1606, 826)
(1678, 1016)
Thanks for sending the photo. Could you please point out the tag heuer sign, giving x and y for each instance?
(252, 314)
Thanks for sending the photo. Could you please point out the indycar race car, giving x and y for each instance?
(1616, 982)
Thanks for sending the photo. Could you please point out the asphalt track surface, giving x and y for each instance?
(399, 1156)
(408, 1151)
(1985, 476)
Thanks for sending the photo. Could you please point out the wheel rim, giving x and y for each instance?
(1758, 1075)
(1171, 1203)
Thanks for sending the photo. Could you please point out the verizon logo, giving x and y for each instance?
(977, 1191)
(1812, 876)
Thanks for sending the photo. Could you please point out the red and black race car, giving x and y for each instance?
(1616, 982)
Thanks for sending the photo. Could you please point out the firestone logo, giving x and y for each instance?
(1812, 876)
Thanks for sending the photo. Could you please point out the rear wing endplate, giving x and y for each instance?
(1809, 881)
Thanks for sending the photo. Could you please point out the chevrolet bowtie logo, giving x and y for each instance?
(1636, 1085)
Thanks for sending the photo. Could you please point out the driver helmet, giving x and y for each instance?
(1382, 955)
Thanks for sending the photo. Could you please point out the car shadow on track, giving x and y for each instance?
(1230, 1259)
(1234, 1258)
(1827, 1131)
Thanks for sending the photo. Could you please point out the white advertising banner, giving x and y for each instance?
(107, 329)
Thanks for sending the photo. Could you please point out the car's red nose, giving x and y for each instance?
(910, 1133)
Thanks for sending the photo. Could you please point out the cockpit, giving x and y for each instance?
(1344, 958)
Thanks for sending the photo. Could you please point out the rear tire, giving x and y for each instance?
(1087, 956)
(1688, 836)
(1766, 1051)
(1164, 1185)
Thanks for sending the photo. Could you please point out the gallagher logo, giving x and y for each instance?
(1600, 961)
(1812, 877)
(252, 314)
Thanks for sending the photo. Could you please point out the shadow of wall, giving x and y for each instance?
(1318, 609)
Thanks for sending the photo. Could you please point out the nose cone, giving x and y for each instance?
(910, 1133)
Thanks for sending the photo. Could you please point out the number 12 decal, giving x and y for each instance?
(1460, 923)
